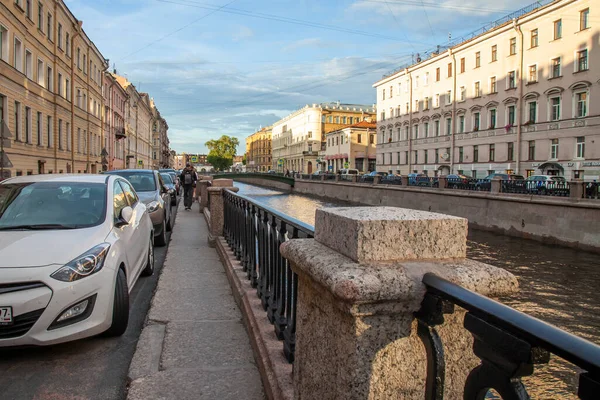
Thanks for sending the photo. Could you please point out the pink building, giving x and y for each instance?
(114, 122)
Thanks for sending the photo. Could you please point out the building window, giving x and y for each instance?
(463, 93)
(512, 81)
(511, 151)
(492, 152)
(437, 74)
(391, 93)
(460, 154)
(532, 112)
(60, 84)
(3, 43)
(449, 97)
(436, 125)
(557, 29)
(28, 65)
(554, 149)
(416, 131)
(68, 44)
(477, 89)
(513, 46)
(60, 135)
(582, 60)
(41, 17)
(50, 132)
(416, 105)
(49, 30)
(475, 153)
(18, 55)
(416, 157)
(68, 89)
(383, 115)
(426, 79)
(580, 150)
(494, 53)
(426, 103)
(40, 72)
(493, 87)
(383, 95)
(49, 79)
(534, 38)
(462, 65)
(476, 120)
(581, 104)
(426, 129)
(449, 70)
(493, 118)
(39, 128)
(461, 124)
(555, 108)
(27, 8)
(371, 139)
(84, 64)
(478, 59)
(448, 126)
(555, 67)
(18, 121)
(437, 101)
(584, 19)
(531, 152)
(532, 73)
(416, 82)
(59, 33)
(359, 138)
(511, 115)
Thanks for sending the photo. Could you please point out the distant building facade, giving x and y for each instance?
(297, 139)
(115, 99)
(352, 147)
(258, 150)
(522, 97)
(160, 139)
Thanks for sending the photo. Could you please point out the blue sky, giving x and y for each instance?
(228, 67)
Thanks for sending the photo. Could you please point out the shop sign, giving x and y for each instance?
(591, 164)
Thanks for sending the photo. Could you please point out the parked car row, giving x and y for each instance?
(73, 247)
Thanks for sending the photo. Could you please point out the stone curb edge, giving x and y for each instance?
(277, 382)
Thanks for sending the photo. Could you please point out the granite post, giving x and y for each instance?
(496, 185)
(359, 285)
(404, 180)
(576, 189)
(202, 190)
(217, 208)
(376, 180)
(443, 182)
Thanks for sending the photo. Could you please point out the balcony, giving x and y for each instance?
(310, 153)
(120, 133)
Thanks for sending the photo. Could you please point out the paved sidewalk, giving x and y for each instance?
(194, 345)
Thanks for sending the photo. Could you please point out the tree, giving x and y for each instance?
(222, 151)
(244, 160)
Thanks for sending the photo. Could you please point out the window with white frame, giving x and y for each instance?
(436, 125)
(59, 36)
(449, 97)
(534, 38)
(68, 44)
(555, 67)
(28, 125)
(18, 55)
(50, 131)
(477, 89)
(40, 73)
(463, 93)
(60, 84)
(426, 103)
(513, 46)
(28, 64)
(555, 108)
(41, 17)
(557, 29)
(426, 79)
(493, 118)
(494, 53)
(476, 120)
(3, 43)
(532, 78)
(49, 79)
(532, 112)
(461, 124)
(426, 129)
(581, 105)
(436, 102)
(448, 126)
(512, 80)
(580, 149)
(416, 106)
(581, 63)
(493, 87)
(511, 115)
(584, 19)
(39, 129)
(17, 130)
(554, 149)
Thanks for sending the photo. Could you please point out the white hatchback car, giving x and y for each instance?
(71, 249)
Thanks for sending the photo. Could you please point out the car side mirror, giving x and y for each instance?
(125, 217)
(165, 189)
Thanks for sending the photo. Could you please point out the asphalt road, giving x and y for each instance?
(93, 368)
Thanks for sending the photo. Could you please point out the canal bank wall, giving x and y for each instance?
(565, 221)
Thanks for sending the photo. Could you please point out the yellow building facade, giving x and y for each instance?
(258, 150)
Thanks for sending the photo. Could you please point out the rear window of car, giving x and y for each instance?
(559, 179)
(141, 181)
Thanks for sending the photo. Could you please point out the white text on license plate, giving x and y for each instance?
(6, 316)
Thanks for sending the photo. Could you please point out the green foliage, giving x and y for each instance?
(219, 163)
(225, 147)
(244, 160)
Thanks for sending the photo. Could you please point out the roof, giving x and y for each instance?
(90, 178)
(359, 125)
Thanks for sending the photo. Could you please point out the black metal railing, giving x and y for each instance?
(514, 186)
(508, 343)
(365, 179)
(391, 180)
(330, 177)
(254, 233)
(346, 178)
(424, 181)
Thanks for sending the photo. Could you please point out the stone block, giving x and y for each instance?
(391, 234)
(222, 183)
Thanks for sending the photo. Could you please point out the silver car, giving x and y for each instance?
(152, 191)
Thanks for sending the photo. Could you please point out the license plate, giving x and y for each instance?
(6, 317)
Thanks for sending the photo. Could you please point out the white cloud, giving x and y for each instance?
(243, 33)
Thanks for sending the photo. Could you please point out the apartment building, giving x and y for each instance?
(297, 139)
(50, 90)
(115, 99)
(160, 139)
(352, 147)
(522, 97)
(258, 150)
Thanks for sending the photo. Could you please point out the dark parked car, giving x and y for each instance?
(422, 180)
(458, 181)
(547, 184)
(486, 183)
(174, 177)
(152, 191)
(168, 179)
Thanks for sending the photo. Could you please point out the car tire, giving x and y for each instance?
(120, 315)
(170, 223)
(161, 240)
(149, 269)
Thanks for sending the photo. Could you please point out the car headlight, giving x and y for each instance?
(153, 206)
(86, 264)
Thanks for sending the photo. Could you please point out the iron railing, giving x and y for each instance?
(254, 233)
(514, 186)
(365, 179)
(391, 180)
(484, 185)
(424, 181)
(508, 343)
(330, 177)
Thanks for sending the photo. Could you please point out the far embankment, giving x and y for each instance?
(265, 180)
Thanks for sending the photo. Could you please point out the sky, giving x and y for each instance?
(230, 67)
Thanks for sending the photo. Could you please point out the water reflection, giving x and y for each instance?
(558, 285)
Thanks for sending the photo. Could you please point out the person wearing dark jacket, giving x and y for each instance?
(188, 179)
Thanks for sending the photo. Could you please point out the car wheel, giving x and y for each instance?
(162, 239)
(149, 269)
(170, 222)
(120, 317)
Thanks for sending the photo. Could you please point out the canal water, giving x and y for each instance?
(558, 285)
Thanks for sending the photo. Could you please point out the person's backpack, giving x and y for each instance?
(187, 178)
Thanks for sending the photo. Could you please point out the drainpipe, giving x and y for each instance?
(520, 100)
(410, 113)
(75, 35)
(453, 124)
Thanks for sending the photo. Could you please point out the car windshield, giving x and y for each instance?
(167, 178)
(141, 181)
(52, 205)
(559, 179)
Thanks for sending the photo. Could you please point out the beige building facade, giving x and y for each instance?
(50, 90)
(523, 97)
(298, 138)
(160, 140)
(258, 150)
(352, 147)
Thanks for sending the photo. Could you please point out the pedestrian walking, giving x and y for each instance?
(188, 179)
